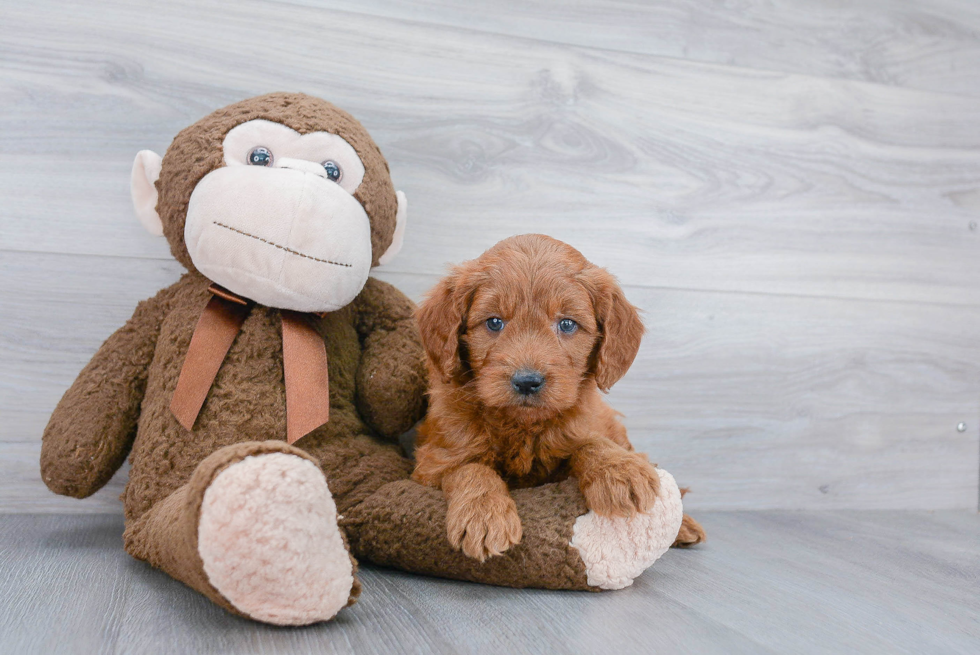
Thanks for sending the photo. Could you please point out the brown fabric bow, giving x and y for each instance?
(304, 362)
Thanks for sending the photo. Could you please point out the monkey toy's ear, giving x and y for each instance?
(401, 217)
(146, 170)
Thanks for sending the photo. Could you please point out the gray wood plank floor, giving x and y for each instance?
(765, 582)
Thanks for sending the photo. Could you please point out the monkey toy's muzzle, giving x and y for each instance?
(284, 237)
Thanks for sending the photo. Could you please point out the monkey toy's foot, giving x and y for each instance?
(564, 545)
(269, 541)
(616, 550)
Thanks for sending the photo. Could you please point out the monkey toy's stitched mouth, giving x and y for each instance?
(289, 250)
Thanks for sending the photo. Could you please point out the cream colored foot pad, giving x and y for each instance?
(270, 542)
(617, 550)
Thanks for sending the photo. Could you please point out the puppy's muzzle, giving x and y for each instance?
(527, 382)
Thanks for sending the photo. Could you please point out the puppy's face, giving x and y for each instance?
(525, 324)
(530, 332)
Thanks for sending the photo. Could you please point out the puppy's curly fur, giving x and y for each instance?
(531, 305)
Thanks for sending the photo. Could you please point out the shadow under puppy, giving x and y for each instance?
(520, 342)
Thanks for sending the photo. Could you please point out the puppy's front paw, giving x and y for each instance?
(622, 487)
(484, 526)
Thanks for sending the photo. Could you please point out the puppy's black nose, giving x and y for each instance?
(527, 382)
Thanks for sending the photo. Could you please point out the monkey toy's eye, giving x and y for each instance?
(567, 325)
(495, 324)
(333, 170)
(260, 157)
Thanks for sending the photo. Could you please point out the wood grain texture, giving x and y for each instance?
(689, 175)
(932, 45)
(790, 191)
(765, 582)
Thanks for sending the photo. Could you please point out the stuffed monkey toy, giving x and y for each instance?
(260, 397)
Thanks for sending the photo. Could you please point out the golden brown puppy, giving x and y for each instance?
(520, 342)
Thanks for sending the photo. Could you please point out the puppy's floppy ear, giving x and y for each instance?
(620, 328)
(442, 320)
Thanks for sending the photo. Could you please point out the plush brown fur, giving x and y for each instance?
(480, 436)
(120, 402)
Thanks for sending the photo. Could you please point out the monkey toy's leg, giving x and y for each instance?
(564, 546)
(255, 530)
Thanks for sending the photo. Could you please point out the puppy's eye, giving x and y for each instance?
(567, 325)
(495, 324)
(333, 170)
(260, 157)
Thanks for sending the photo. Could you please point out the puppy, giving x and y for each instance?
(520, 342)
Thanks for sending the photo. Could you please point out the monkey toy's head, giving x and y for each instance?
(283, 199)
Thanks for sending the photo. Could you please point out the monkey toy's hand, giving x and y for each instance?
(94, 425)
(391, 376)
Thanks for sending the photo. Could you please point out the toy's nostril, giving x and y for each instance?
(527, 382)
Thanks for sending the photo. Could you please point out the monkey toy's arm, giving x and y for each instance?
(93, 427)
(391, 377)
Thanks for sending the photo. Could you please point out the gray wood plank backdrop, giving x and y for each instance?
(789, 189)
